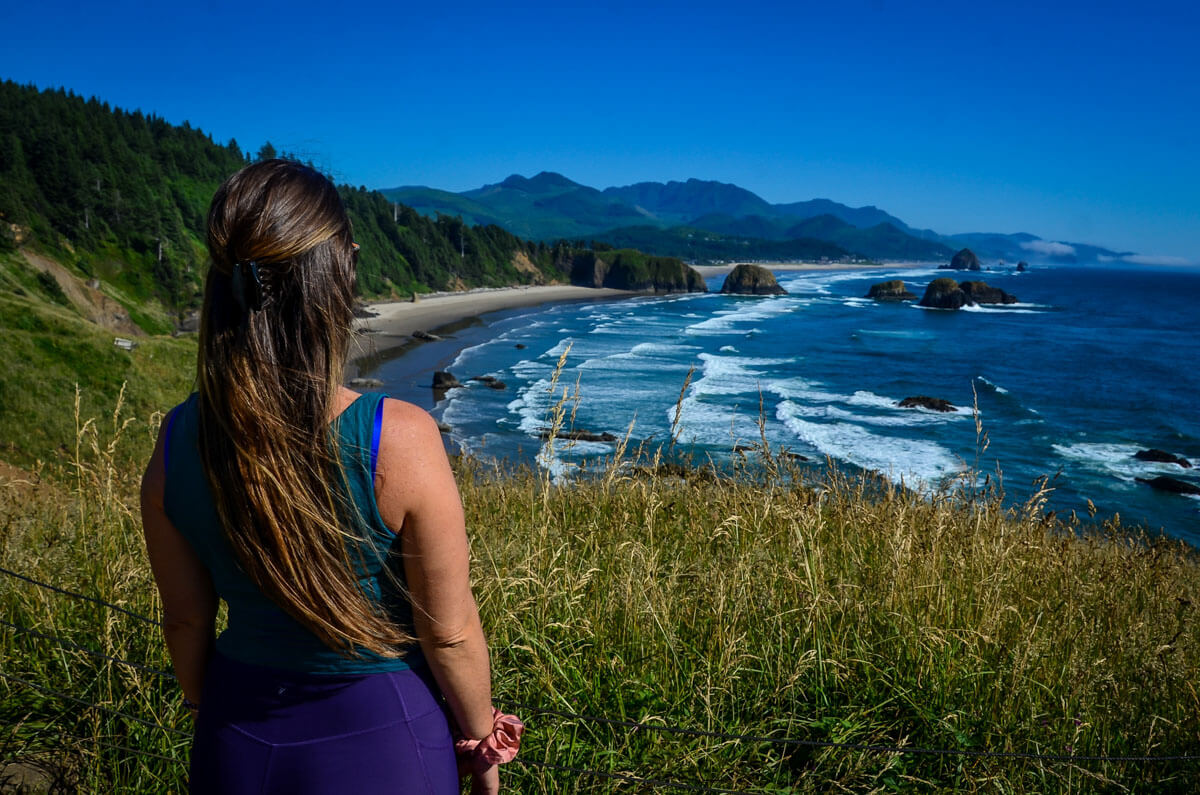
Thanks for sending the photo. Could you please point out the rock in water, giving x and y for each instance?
(1173, 485)
(981, 293)
(964, 260)
(748, 279)
(444, 379)
(926, 402)
(944, 293)
(1162, 457)
(581, 436)
(890, 291)
(1022, 266)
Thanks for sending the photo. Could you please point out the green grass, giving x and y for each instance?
(751, 603)
(48, 350)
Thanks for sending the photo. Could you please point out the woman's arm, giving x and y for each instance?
(416, 493)
(188, 599)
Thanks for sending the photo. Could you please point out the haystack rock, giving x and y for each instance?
(964, 260)
(1022, 266)
(890, 291)
(751, 280)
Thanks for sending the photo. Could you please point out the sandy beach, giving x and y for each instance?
(387, 333)
(392, 323)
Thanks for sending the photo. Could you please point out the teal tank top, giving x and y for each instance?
(258, 631)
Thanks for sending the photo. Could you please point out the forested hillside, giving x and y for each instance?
(120, 198)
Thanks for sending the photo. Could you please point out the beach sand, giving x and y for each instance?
(387, 333)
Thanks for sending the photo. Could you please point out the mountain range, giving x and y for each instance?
(705, 220)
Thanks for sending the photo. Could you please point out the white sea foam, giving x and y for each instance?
(902, 418)
(916, 462)
(1113, 459)
(725, 321)
(723, 424)
(999, 309)
(728, 349)
(732, 375)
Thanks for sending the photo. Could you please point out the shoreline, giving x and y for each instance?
(387, 333)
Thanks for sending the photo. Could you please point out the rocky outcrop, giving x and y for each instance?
(370, 383)
(1162, 457)
(444, 379)
(893, 290)
(748, 279)
(945, 293)
(581, 436)
(982, 293)
(627, 269)
(491, 381)
(926, 402)
(1022, 266)
(964, 260)
(1172, 485)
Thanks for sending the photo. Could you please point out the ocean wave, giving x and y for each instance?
(732, 375)
(915, 462)
(1001, 309)
(724, 321)
(991, 385)
(1115, 459)
(718, 424)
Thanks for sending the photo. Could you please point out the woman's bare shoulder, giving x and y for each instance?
(409, 436)
(413, 471)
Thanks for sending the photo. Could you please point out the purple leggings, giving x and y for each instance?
(263, 730)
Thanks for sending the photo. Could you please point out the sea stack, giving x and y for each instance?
(748, 279)
(945, 293)
(964, 260)
(893, 290)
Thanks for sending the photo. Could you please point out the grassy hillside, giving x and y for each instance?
(843, 614)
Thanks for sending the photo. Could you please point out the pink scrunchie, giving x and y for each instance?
(497, 748)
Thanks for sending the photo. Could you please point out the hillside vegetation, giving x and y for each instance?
(853, 619)
(120, 198)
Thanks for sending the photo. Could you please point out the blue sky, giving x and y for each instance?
(1077, 123)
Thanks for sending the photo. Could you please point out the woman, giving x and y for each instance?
(328, 521)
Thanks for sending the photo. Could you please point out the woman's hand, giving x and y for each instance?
(487, 782)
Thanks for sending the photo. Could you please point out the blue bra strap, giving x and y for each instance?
(375, 432)
(167, 440)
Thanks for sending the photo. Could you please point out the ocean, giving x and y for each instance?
(1091, 365)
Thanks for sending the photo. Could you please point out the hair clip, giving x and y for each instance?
(247, 286)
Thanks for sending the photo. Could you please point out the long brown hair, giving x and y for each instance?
(274, 334)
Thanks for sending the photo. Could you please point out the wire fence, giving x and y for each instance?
(534, 710)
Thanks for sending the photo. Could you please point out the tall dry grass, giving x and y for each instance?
(752, 601)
